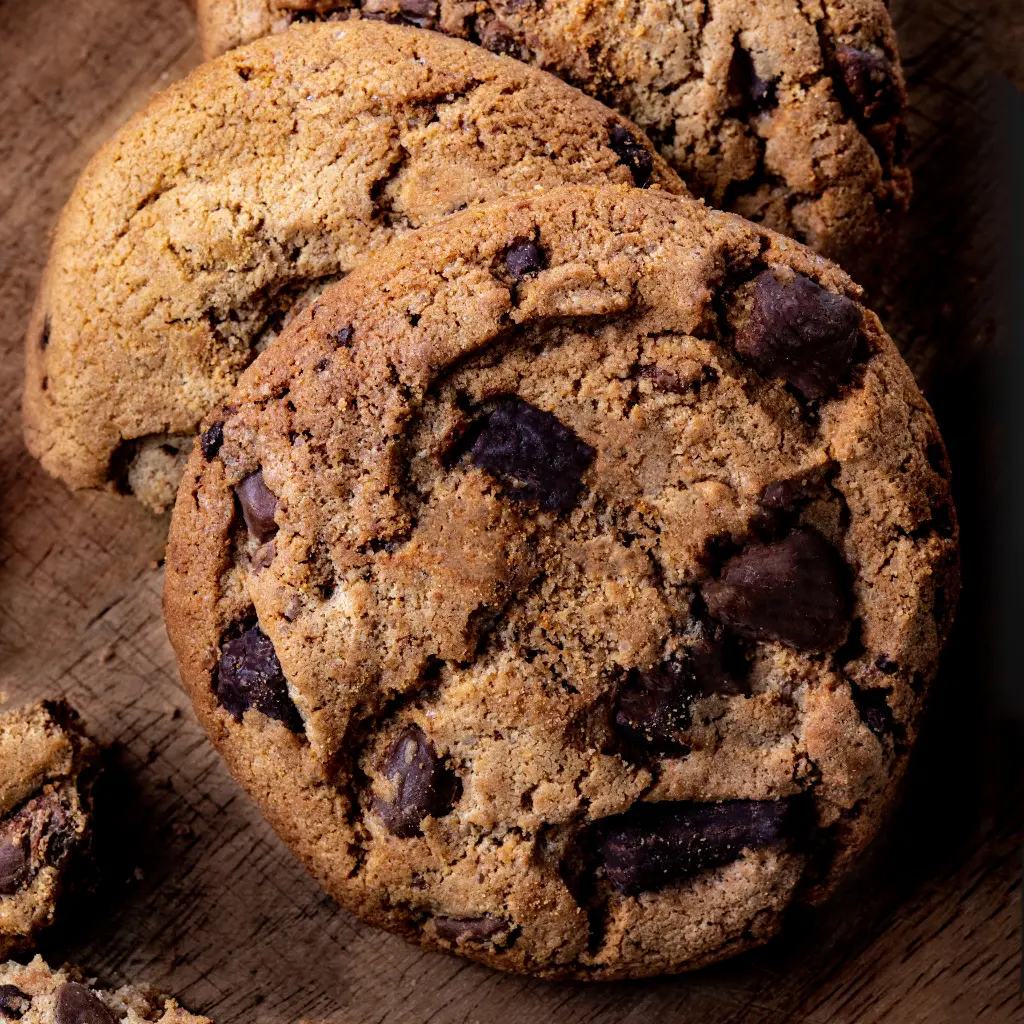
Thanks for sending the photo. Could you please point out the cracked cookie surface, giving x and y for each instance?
(545, 624)
(38, 994)
(787, 113)
(47, 768)
(235, 196)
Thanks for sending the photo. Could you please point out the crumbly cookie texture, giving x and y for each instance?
(565, 584)
(47, 767)
(38, 994)
(231, 200)
(789, 114)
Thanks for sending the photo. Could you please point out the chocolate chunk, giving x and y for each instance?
(15, 862)
(539, 458)
(654, 705)
(470, 929)
(422, 783)
(44, 334)
(77, 1005)
(343, 338)
(714, 669)
(497, 38)
(422, 13)
(249, 676)
(794, 590)
(633, 154)
(780, 496)
(652, 845)
(524, 257)
(13, 1002)
(211, 440)
(801, 333)
(870, 79)
(746, 89)
(874, 709)
(258, 506)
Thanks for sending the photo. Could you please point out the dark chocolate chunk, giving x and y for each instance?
(780, 496)
(874, 709)
(249, 676)
(714, 666)
(633, 154)
(524, 257)
(870, 79)
(746, 89)
(794, 590)
(470, 929)
(44, 334)
(497, 38)
(800, 332)
(13, 1002)
(77, 1005)
(539, 458)
(423, 784)
(258, 506)
(652, 845)
(422, 13)
(211, 440)
(343, 338)
(654, 705)
(15, 862)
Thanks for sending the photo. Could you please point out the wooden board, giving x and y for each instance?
(202, 899)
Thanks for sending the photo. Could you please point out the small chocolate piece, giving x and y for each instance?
(539, 458)
(470, 929)
(14, 1003)
(423, 784)
(422, 13)
(258, 506)
(870, 80)
(793, 590)
(874, 709)
(44, 334)
(524, 257)
(632, 153)
(15, 862)
(343, 338)
(497, 38)
(711, 665)
(800, 332)
(249, 676)
(780, 496)
(77, 1005)
(654, 705)
(211, 440)
(746, 89)
(652, 845)
(884, 665)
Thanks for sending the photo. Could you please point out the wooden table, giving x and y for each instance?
(202, 899)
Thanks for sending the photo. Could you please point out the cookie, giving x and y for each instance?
(565, 583)
(47, 768)
(236, 195)
(789, 114)
(38, 994)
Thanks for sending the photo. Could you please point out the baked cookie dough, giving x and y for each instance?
(789, 114)
(237, 194)
(565, 584)
(47, 767)
(38, 994)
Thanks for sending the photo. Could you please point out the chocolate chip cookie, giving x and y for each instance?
(47, 767)
(38, 994)
(790, 114)
(236, 195)
(565, 584)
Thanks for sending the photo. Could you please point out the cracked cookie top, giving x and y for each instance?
(565, 584)
(237, 194)
(47, 768)
(787, 113)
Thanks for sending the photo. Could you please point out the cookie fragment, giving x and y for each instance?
(538, 457)
(423, 784)
(249, 676)
(794, 590)
(653, 845)
(800, 332)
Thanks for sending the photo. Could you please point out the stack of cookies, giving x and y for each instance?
(560, 562)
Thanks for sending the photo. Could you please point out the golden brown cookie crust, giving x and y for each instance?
(408, 591)
(790, 114)
(236, 195)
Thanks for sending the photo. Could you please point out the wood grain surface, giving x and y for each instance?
(201, 899)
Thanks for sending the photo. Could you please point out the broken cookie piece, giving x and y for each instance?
(47, 768)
